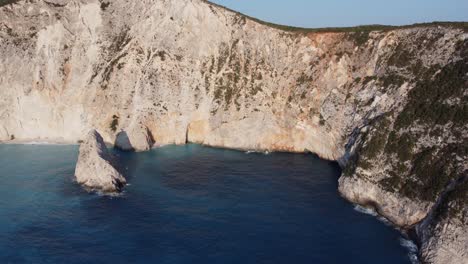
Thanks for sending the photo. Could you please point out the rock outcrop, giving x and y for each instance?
(389, 104)
(94, 168)
(443, 234)
(134, 138)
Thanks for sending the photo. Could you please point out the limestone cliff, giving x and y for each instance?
(94, 168)
(389, 105)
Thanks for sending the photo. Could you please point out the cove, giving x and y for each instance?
(185, 204)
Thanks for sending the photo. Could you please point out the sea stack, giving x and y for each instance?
(388, 103)
(94, 168)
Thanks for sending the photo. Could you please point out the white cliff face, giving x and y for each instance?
(188, 71)
(385, 104)
(94, 168)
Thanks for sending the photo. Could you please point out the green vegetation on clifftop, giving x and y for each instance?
(422, 143)
(6, 2)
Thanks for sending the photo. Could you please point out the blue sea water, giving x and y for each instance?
(185, 204)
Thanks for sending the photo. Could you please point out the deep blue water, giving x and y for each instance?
(185, 204)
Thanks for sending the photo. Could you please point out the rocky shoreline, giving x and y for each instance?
(389, 104)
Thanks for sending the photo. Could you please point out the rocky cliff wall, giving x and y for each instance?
(390, 106)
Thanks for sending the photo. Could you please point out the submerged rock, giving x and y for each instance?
(135, 138)
(94, 169)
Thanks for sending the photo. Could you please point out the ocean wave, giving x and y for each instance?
(266, 152)
(365, 210)
(384, 220)
(98, 193)
(157, 145)
(111, 195)
(412, 249)
(41, 143)
(372, 212)
(404, 242)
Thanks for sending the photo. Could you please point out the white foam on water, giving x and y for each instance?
(406, 243)
(111, 195)
(266, 152)
(156, 145)
(35, 142)
(372, 212)
(365, 210)
(99, 193)
(412, 248)
(40, 143)
(384, 220)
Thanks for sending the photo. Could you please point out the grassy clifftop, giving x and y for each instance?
(6, 2)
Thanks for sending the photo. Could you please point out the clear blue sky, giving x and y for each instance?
(334, 13)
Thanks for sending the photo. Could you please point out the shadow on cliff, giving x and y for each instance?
(122, 142)
(125, 161)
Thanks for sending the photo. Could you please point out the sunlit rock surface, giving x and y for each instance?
(94, 168)
(134, 138)
(389, 105)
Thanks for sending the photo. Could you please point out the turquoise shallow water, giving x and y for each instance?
(185, 204)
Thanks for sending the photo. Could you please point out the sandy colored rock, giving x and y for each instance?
(94, 168)
(399, 210)
(135, 138)
(390, 106)
(444, 233)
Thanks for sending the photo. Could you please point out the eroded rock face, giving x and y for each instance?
(390, 106)
(444, 233)
(134, 138)
(94, 168)
(399, 210)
